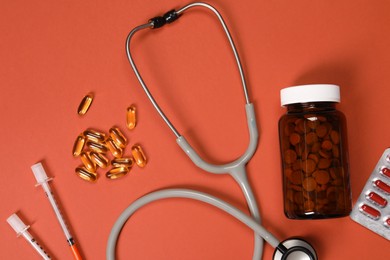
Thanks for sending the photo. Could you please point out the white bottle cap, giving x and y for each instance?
(17, 224)
(39, 173)
(310, 93)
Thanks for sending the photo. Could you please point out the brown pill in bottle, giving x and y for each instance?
(117, 136)
(117, 172)
(315, 148)
(295, 138)
(139, 155)
(313, 157)
(308, 205)
(297, 165)
(322, 130)
(299, 126)
(85, 104)
(88, 163)
(309, 184)
(290, 156)
(125, 161)
(324, 163)
(311, 138)
(85, 174)
(131, 117)
(99, 159)
(325, 154)
(331, 194)
(309, 166)
(334, 136)
(78, 145)
(296, 187)
(327, 145)
(296, 178)
(321, 176)
(115, 150)
(288, 172)
(336, 151)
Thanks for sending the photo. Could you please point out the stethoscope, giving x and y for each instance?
(291, 249)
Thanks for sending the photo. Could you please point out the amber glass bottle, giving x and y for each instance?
(313, 145)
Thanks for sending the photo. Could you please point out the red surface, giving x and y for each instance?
(55, 52)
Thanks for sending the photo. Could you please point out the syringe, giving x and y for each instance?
(43, 180)
(21, 229)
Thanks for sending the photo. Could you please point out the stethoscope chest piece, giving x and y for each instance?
(295, 249)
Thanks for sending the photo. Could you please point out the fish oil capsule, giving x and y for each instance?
(125, 161)
(99, 148)
(117, 172)
(88, 163)
(115, 150)
(78, 145)
(99, 159)
(139, 155)
(131, 117)
(119, 139)
(85, 104)
(85, 174)
(95, 136)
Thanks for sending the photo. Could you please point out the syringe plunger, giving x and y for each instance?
(17, 224)
(39, 173)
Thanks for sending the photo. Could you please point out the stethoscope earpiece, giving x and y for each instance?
(294, 249)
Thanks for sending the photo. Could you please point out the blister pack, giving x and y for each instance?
(372, 208)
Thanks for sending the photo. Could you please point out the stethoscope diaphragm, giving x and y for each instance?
(294, 249)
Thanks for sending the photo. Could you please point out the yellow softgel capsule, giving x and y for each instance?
(138, 155)
(85, 174)
(78, 145)
(117, 172)
(117, 136)
(131, 117)
(100, 148)
(125, 161)
(99, 159)
(115, 150)
(88, 163)
(95, 136)
(85, 104)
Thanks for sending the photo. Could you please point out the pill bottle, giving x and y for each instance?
(314, 154)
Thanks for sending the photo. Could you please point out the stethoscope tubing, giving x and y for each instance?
(189, 194)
